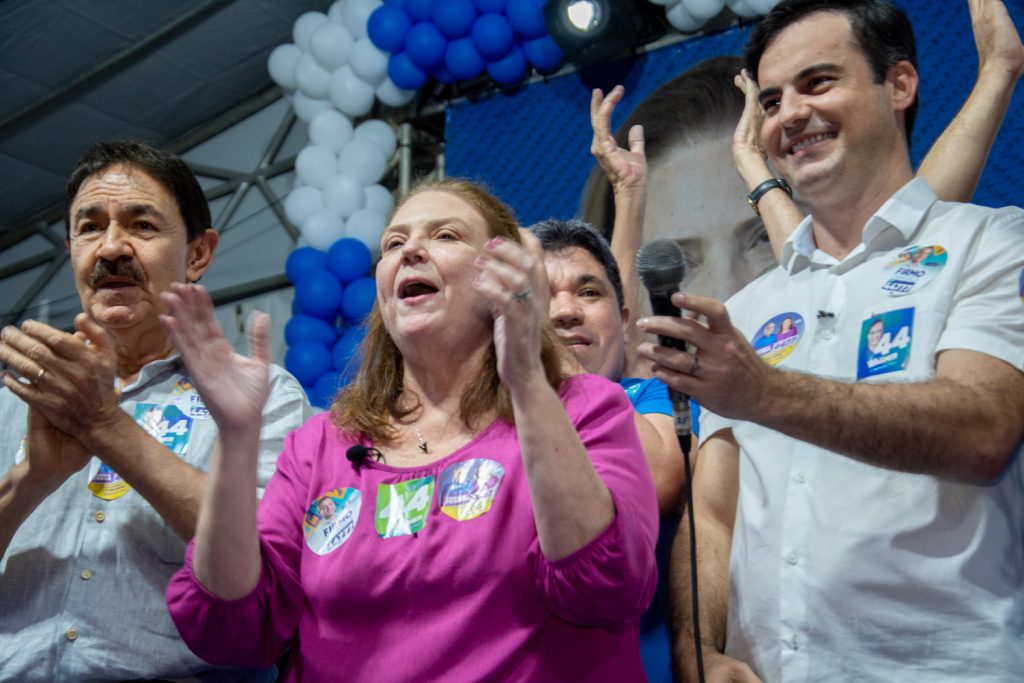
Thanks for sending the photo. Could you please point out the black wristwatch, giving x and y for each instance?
(754, 197)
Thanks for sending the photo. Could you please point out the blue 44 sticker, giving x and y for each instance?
(165, 423)
(885, 342)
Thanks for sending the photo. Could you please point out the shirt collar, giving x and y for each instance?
(902, 213)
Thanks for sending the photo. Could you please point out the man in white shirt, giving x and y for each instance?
(859, 515)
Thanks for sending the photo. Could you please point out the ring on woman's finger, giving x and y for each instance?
(692, 372)
(39, 376)
(522, 296)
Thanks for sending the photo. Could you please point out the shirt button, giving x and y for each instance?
(793, 643)
(100, 516)
(86, 574)
(801, 477)
(826, 335)
(71, 634)
(793, 557)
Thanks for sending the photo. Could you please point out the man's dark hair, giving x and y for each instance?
(881, 29)
(556, 236)
(167, 169)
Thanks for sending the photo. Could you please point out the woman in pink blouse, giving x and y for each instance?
(491, 519)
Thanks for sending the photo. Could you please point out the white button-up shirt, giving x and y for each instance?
(842, 571)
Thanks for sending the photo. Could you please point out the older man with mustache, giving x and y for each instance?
(105, 440)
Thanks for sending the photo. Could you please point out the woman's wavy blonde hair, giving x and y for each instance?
(376, 398)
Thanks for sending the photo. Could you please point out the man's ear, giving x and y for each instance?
(903, 80)
(625, 320)
(200, 254)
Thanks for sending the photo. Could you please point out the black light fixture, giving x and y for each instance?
(592, 31)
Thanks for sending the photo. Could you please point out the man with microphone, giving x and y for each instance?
(857, 521)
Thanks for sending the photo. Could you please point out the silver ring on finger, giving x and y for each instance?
(39, 376)
(522, 296)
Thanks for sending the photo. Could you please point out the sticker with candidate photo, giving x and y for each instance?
(402, 508)
(186, 397)
(776, 338)
(167, 424)
(913, 268)
(331, 519)
(1020, 286)
(885, 341)
(467, 489)
(106, 484)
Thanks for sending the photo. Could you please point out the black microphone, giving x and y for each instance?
(661, 267)
(358, 454)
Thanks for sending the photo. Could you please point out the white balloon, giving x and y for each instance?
(306, 108)
(367, 62)
(663, 3)
(315, 165)
(330, 45)
(379, 198)
(702, 10)
(281, 64)
(304, 27)
(393, 96)
(762, 6)
(366, 225)
(311, 78)
(300, 203)
(330, 129)
(364, 160)
(742, 8)
(682, 20)
(379, 133)
(343, 194)
(334, 11)
(323, 228)
(355, 14)
(350, 94)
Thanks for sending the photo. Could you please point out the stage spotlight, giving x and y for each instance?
(591, 31)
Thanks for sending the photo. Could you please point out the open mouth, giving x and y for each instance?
(416, 288)
(811, 140)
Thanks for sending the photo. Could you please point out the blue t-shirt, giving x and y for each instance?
(647, 395)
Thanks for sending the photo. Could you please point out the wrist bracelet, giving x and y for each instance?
(754, 197)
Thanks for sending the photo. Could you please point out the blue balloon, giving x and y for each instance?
(544, 53)
(387, 27)
(319, 294)
(463, 60)
(307, 361)
(326, 388)
(454, 18)
(349, 259)
(492, 36)
(304, 327)
(296, 308)
(304, 260)
(484, 6)
(418, 10)
(443, 74)
(510, 68)
(358, 299)
(345, 353)
(404, 73)
(425, 45)
(527, 17)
